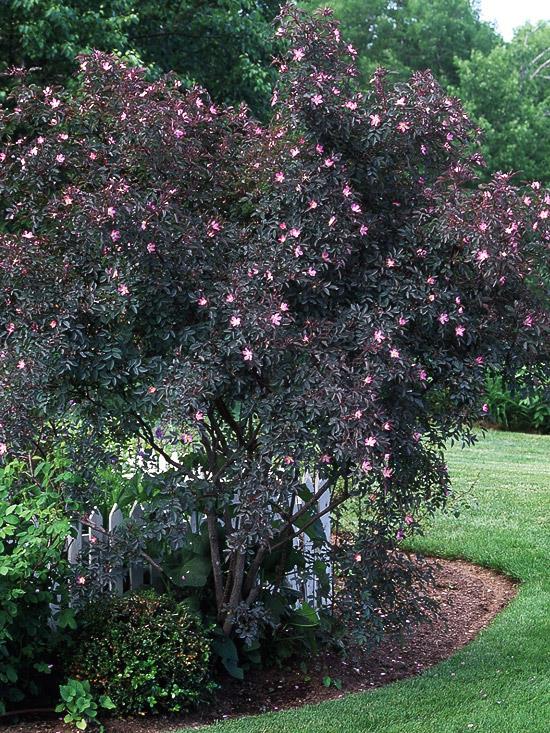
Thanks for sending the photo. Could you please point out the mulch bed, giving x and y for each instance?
(469, 597)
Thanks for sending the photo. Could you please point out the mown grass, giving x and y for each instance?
(500, 683)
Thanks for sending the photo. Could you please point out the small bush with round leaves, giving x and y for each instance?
(145, 652)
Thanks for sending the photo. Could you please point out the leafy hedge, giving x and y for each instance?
(146, 652)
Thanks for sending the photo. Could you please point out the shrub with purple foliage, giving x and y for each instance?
(322, 292)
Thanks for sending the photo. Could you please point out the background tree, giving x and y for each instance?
(413, 35)
(225, 45)
(507, 91)
(49, 34)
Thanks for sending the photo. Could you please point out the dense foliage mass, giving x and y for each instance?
(33, 571)
(323, 292)
(153, 654)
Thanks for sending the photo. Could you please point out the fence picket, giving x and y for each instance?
(116, 518)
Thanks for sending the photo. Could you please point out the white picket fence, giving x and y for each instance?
(139, 575)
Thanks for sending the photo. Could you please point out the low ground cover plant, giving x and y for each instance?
(321, 293)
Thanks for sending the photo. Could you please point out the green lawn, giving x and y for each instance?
(500, 683)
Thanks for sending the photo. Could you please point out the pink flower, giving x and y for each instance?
(81, 580)
(399, 535)
(331, 221)
(298, 54)
(366, 466)
(460, 330)
(325, 256)
(294, 152)
(387, 472)
(123, 289)
(351, 105)
(284, 307)
(312, 205)
(279, 177)
(443, 318)
(312, 272)
(417, 436)
(186, 438)
(356, 208)
(202, 301)
(3, 449)
(298, 251)
(10, 328)
(375, 120)
(54, 103)
(316, 100)
(394, 353)
(295, 232)
(60, 158)
(423, 149)
(111, 211)
(53, 323)
(229, 298)
(199, 416)
(535, 185)
(485, 407)
(319, 149)
(387, 425)
(325, 458)
(179, 134)
(379, 336)
(423, 375)
(27, 235)
(151, 390)
(276, 319)
(357, 557)
(528, 321)
(235, 321)
(288, 460)
(403, 321)
(482, 255)
(213, 228)
(329, 162)
(480, 360)
(370, 441)
(364, 230)
(248, 355)
(390, 262)
(358, 414)
(409, 520)
(21, 364)
(115, 235)
(403, 126)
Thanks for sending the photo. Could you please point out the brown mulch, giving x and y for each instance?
(469, 597)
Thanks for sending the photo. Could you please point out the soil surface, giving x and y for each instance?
(469, 597)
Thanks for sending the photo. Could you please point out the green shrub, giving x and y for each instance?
(516, 408)
(33, 532)
(146, 652)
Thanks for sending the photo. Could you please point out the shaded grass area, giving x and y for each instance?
(500, 683)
